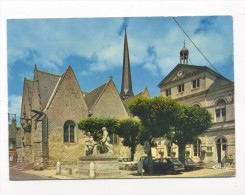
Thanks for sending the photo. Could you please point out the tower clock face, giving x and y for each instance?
(180, 73)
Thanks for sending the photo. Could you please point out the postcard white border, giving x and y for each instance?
(76, 9)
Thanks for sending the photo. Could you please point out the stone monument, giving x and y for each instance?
(105, 163)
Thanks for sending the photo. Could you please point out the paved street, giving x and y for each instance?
(15, 174)
(51, 174)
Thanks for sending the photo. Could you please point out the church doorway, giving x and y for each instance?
(221, 147)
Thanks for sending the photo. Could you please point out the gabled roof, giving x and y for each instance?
(27, 98)
(92, 97)
(46, 85)
(144, 93)
(29, 85)
(195, 68)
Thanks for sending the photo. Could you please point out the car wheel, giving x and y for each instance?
(168, 172)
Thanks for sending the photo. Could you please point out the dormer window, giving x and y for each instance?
(181, 88)
(195, 83)
(168, 92)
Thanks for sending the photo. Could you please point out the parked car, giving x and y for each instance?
(189, 164)
(165, 165)
(127, 164)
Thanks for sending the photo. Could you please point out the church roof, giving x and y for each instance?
(126, 101)
(46, 85)
(29, 85)
(92, 97)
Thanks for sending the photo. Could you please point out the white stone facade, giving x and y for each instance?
(203, 87)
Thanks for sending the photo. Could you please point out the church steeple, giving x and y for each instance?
(126, 88)
(184, 55)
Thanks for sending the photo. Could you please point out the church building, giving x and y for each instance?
(52, 105)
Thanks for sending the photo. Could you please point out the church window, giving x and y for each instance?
(195, 83)
(168, 92)
(181, 88)
(69, 131)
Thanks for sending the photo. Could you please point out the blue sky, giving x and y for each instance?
(94, 49)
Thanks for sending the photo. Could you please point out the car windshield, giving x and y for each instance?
(188, 160)
(174, 160)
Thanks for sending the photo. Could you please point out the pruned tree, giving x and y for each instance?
(156, 115)
(129, 130)
(189, 123)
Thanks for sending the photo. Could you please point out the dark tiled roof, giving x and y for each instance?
(12, 132)
(219, 82)
(29, 84)
(141, 94)
(92, 97)
(46, 85)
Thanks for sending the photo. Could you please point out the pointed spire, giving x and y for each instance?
(126, 87)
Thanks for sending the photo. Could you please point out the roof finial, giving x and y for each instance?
(184, 43)
(35, 67)
(111, 77)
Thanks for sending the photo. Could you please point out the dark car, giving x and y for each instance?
(165, 165)
(189, 164)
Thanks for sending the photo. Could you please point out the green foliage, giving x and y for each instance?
(156, 115)
(160, 116)
(129, 130)
(190, 122)
(94, 126)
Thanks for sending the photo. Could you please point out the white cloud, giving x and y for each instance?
(56, 39)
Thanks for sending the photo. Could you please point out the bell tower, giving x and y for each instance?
(126, 87)
(184, 55)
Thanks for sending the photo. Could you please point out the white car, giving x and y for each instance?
(127, 164)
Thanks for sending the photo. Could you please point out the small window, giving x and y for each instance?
(195, 83)
(169, 147)
(220, 111)
(181, 88)
(168, 92)
(209, 148)
(197, 148)
(69, 131)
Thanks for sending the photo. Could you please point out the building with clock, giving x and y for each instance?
(203, 87)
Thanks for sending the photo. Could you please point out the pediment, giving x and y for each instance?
(181, 71)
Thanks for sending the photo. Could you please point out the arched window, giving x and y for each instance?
(197, 148)
(220, 110)
(69, 131)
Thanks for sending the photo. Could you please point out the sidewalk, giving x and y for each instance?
(131, 174)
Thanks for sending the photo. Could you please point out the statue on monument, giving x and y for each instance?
(105, 145)
(89, 144)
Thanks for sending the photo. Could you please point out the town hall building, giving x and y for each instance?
(202, 87)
